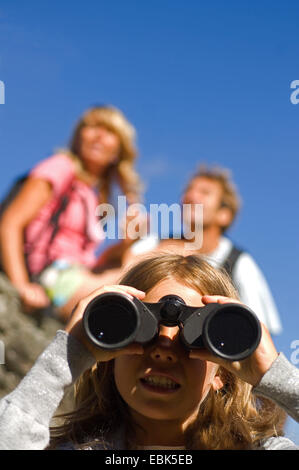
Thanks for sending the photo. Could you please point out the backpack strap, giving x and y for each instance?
(231, 259)
(12, 193)
(54, 220)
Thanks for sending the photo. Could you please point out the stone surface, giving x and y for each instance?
(23, 337)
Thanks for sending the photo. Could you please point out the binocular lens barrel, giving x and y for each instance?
(231, 331)
(111, 320)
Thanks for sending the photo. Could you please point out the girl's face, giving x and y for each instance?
(163, 383)
(99, 147)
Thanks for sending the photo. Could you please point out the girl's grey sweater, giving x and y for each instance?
(25, 413)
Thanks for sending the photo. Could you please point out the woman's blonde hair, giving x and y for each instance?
(232, 418)
(123, 171)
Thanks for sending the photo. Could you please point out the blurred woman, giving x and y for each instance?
(49, 232)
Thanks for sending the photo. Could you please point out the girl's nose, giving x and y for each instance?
(164, 350)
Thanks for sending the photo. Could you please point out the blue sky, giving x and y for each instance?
(201, 81)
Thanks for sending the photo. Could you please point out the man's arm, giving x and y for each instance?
(254, 291)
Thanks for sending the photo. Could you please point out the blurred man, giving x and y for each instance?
(216, 192)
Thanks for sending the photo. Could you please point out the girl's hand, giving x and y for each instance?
(251, 369)
(76, 329)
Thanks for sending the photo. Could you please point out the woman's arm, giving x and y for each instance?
(32, 197)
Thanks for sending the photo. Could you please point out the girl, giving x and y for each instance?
(158, 395)
(37, 256)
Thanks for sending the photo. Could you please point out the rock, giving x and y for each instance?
(23, 336)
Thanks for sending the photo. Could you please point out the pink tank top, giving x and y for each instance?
(79, 231)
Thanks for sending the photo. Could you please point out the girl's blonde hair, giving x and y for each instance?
(232, 418)
(123, 171)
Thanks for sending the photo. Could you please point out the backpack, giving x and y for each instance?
(12, 193)
(229, 263)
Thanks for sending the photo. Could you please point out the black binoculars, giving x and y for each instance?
(231, 331)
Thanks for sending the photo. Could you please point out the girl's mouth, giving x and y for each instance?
(159, 384)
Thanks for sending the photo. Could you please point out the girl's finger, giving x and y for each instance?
(128, 290)
(132, 290)
(219, 299)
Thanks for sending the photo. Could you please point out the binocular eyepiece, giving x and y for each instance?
(231, 331)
